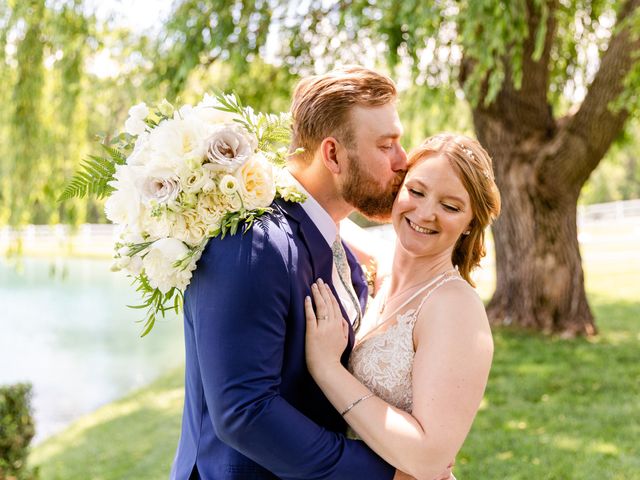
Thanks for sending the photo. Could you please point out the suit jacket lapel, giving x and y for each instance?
(319, 252)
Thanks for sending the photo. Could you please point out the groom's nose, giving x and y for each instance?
(399, 161)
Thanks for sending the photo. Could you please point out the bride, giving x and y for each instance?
(419, 370)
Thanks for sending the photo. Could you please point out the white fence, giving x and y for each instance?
(627, 210)
(98, 238)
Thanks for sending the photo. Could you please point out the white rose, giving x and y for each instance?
(158, 226)
(124, 205)
(257, 185)
(228, 147)
(175, 141)
(135, 265)
(135, 123)
(141, 151)
(159, 264)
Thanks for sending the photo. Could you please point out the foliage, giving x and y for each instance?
(618, 176)
(94, 174)
(16, 431)
(199, 33)
(43, 66)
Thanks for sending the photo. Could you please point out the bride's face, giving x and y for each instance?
(432, 209)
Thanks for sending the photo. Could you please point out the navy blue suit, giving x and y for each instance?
(252, 411)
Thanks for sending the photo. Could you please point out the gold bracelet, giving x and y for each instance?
(346, 410)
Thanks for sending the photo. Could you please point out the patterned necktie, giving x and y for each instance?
(344, 272)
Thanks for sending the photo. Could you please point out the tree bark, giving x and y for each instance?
(540, 281)
(541, 165)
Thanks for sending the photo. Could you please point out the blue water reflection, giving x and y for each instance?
(65, 328)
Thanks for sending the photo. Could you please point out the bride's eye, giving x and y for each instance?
(450, 208)
(415, 193)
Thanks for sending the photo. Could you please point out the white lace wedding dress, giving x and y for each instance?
(383, 359)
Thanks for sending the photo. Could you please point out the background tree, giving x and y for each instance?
(550, 83)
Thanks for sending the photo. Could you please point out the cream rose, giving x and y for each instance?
(257, 186)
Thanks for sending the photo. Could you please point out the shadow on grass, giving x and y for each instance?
(135, 437)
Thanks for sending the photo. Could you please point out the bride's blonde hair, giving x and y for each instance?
(473, 166)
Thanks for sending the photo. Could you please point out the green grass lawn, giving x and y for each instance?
(554, 409)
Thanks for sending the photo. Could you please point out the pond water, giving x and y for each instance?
(66, 329)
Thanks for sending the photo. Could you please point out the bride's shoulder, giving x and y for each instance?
(455, 304)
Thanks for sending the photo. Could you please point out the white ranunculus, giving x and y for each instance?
(257, 185)
(124, 206)
(159, 265)
(228, 147)
(135, 123)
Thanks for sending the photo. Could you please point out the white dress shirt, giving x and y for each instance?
(329, 230)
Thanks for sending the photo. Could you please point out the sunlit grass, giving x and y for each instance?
(132, 438)
(554, 409)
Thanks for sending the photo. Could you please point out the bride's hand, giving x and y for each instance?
(327, 332)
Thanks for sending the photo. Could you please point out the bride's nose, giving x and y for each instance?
(427, 211)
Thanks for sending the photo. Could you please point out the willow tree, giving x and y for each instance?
(550, 83)
(43, 46)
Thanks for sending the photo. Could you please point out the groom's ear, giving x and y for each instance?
(329, 149)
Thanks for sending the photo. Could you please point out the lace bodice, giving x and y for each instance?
(383, 361)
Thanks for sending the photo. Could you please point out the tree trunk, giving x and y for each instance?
(541, 164)
(540, 281)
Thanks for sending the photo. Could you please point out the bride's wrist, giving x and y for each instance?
(325, 371)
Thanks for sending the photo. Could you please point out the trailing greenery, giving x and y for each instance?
(16, 431)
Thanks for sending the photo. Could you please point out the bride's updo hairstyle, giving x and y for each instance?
(473, 165)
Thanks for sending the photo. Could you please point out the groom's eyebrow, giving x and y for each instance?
(392, 135)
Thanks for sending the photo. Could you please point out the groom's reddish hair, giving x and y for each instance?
(321, 104)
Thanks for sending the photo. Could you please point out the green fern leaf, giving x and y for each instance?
(93, 176)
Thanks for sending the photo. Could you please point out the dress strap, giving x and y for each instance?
(445, 279)
(438, 278)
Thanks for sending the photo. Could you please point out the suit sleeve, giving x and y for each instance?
(241, 302)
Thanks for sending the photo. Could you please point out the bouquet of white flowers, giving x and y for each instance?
(177, 177)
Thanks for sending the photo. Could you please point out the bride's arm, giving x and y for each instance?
(451, 366)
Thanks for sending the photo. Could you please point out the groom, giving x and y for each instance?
(251, 409)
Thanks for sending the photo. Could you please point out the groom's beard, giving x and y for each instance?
(364, 192)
